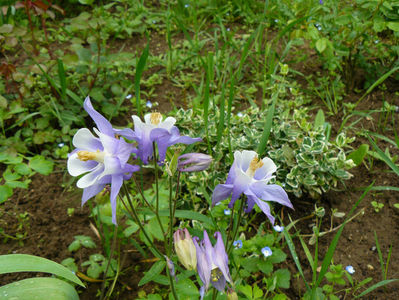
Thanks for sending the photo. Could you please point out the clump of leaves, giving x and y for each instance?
(308, 160)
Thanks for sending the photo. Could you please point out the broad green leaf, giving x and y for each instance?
(187, 288)
(283, 278)
(22, 169)
(5, 193)
(11, 263)
(39, 288)
(41, 164)
(155, 270)
(320, 119)
(358, 155)
(393, 26)
(321, 45)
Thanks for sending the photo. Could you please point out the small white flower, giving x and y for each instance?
(129, 96)
(278, 228)
(186, 5)
(239, 114)
(266, 251)
(61, 145)
(148, 104)
(227, 212)
(350, 269)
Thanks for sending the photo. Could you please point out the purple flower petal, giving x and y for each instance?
(116, 184)
(221, 192)
(102, 123)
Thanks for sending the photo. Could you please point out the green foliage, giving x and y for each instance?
(307, 160)
(39, 287)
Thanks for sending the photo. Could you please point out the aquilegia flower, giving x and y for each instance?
(164, 133)
(250, 175)
(185, 249)
(102, 159)
(212, 263)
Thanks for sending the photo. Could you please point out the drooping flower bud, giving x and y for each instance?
(185, 249)
(193, 162)
(231, 294)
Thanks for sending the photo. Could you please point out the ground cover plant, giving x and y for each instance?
(199, 149)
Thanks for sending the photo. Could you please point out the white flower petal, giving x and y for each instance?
(77, 167)
(168, 123)
(266, 170)
(90, 178)
(85, 140)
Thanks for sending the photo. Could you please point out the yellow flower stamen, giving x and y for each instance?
(155, 118)
(216, 274)
(87, 155)
(255, 164)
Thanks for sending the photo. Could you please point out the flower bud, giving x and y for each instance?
(193, 162)
(231, 295)
(185, 249)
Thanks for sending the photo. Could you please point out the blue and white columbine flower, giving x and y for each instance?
(266, 251)
(250, 175)
(102, 159)
(350, 270)
(164, 133)
(212, 263)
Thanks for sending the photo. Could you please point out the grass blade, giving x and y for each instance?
(61, 75)
(384, 157)
(375, 286)
(331, 249)
(139, 71)
(268, 126)
(295, 256)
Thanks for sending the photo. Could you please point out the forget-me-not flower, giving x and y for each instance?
(250, 175)
(278, 228)
(266, 251)
(350, 269)
(237, 244)
(102, 159)
(212, 263)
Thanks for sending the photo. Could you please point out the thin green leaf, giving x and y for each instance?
(377, 83)
(295, 256)
(61, 75)
(331, 249)
(375, 286)
(268, 126)
(152, 273)
(11, 263)
(139, 71)
(384, 157)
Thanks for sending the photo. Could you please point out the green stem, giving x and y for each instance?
(137, 219)
(109, 261)
(157, 190)
(236, 227)
(172, 285)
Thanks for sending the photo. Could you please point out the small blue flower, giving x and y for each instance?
(61, 145)
(148, 104)
(321, 2)
(227, 212)
(153, 21)
(350, 269)
(278, 228)
(228, 29)
(186, 5)
(266, 251)
(237, 244)
(376, 41)
(129, 96)
(239, 114)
